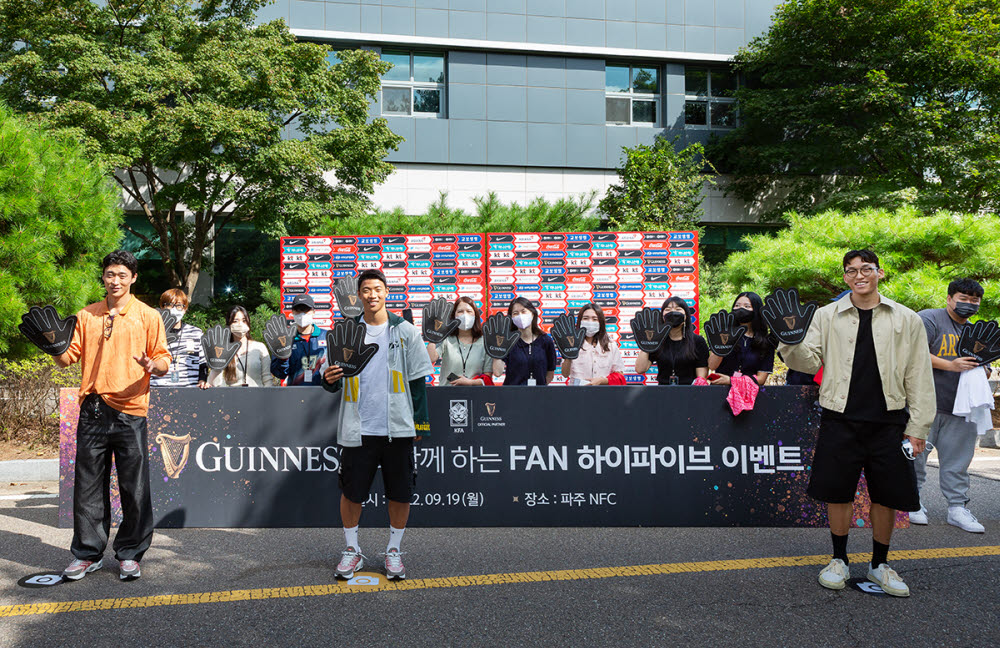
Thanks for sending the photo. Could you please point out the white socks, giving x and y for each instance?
(395, 537)
(351, 537)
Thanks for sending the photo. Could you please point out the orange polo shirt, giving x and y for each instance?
(109, 369)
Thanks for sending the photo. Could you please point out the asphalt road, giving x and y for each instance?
(568, 600)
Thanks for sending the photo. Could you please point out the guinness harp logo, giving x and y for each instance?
(491, 408)
(50, 336)
(571, 340)
(174, 450)
(649, 336)
(500, 340)
(437, 325)
(353, 299)
(790, 321)
(978, 346)
(282, 340)
(347, 354)
(218, 352)
(724, 337)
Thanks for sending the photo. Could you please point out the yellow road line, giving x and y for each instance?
(475, 580)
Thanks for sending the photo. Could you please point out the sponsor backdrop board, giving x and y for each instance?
(507, 456)
(418, 268)
(622, 272)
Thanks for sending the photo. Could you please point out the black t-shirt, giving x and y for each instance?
(670, 359)
(747, 359)
(866, 400)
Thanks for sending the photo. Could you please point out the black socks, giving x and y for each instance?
(880, 553)
(839, 546)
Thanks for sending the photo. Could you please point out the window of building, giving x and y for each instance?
(709, 100)
(415, 84)
(632, 95)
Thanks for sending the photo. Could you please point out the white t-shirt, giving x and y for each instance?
(373, 403)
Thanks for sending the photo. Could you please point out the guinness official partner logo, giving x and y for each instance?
(491, 408)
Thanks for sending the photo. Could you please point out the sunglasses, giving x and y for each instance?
(109, 324)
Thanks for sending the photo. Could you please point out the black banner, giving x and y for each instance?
(503, 456)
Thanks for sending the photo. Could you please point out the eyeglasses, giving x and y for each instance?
(109, 324)
(864, 271)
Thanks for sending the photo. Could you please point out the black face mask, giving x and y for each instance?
(742, 315)
(965, 311)
(674, 318)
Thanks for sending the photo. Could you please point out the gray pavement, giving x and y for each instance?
(954, 598)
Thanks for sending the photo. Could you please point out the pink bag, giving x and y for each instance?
(742, 393)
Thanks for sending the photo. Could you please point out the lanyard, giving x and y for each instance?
(465, 358)
(246, 361)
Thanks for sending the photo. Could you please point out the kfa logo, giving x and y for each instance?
(458, 412)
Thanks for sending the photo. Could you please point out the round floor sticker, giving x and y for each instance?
(367, 579)
(45, 579)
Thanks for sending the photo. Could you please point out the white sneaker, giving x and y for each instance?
(835, 575)
(888, 580)
(919, 517)
(964, 519)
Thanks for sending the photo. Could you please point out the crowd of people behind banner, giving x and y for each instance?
(890, 381)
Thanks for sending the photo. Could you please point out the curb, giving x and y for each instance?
(29, 470)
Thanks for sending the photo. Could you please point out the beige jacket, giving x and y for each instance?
(900, 350)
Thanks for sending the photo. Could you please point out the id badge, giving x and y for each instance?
(175, 373)
(673, 380)
(532, 382)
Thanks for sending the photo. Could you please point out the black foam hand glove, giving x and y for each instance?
(345, 290)
(722, 333)
(567, 336)
(219, 347)
(169, 321)
(788, 318)
(346, 348)
(438, 323)
(279, 334)
(46, 330)
(980, 341)
(498, 338)
(649, 329)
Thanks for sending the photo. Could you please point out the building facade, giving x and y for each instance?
(532, 98)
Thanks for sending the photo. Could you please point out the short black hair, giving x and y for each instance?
(121, 257)
(966, 286)
(865, 255)
(368, 275)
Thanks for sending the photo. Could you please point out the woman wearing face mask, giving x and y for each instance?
(250, 367)
(754, 355)
(188, 368)
(532, 359)
(599, 355)
(684, 355)
(463, 356)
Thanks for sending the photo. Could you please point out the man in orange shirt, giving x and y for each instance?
(119, 342)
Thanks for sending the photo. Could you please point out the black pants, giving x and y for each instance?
(102, 433)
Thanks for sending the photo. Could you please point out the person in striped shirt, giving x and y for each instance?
(188, 368)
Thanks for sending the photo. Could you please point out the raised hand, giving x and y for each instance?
(980, 341)
(169, 321)
(46, 330)
(345, 290)
(649, 329)
(219, 347)
(788, 318)
(438, 323)
(722, 333)
(278, 336)
(567, 336)
(346, 348)
(498, 338)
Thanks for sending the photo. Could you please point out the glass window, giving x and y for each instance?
(644, 112)
(645, 80)
(616, 79)
(428, 68)
(427, 101)
(695, 113)
(710, 97)
(632, 95)
(415, 84)
(695, 81)
(723, 114)
(617, 108)
(396, 100)
(400, 65)
(723, 83)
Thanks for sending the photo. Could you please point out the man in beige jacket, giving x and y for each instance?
(877, 392)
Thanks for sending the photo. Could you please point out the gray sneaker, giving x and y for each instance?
(80, 568)
(351, 560)
(128, 570)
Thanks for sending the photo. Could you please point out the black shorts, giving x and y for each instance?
(359, 465)
(845, 447)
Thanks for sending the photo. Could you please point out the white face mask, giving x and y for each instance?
(523, 320)
(239, 329)
(465, 321)
(591, 328)
(303, 320)
(178, 313)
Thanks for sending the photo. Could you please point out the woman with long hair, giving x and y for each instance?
(251, 366)
(463, 355)
(599, 355)
(532, 359)
(683, 357)
(754, 354)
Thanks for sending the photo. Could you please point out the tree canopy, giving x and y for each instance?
(59, 216)
(202, 118)
(870, 97)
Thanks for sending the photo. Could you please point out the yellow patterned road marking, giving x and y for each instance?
(475, 580)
